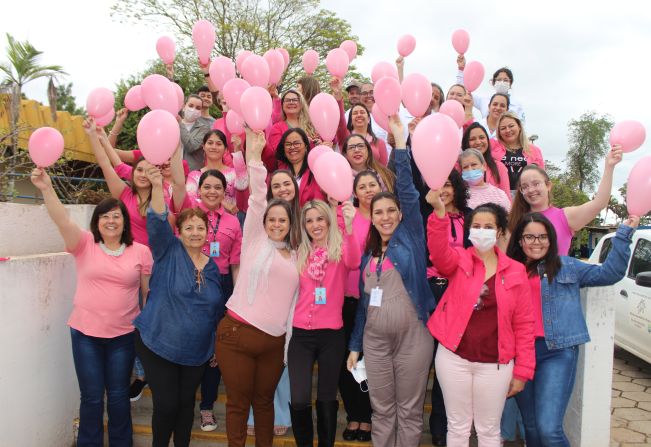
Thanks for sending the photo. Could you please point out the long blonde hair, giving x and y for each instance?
(304, 121)
(334, 239)
(524, 142)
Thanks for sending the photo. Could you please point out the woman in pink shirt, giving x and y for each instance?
(358, 151)
(111, 268)
(214, 147)
(251, 337)
(534, 194)
(473, 171)
(325, 257)
(359, 122)
(476, 137)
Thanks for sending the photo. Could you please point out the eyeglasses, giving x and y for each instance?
(530, 239)
(527, 187)
(291, 100)
(369, 93)
(293, 144)
(359, 147)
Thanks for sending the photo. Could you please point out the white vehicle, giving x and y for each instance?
(632, 294)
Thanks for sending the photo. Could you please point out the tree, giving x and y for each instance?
(588, 144)
(296, 25)
(66, 101)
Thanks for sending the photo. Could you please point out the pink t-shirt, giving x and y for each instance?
(563, 231)
(536, 305)
(138, 222)
(229, 237)
(106, 299)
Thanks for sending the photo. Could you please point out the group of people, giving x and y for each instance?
(229, 261)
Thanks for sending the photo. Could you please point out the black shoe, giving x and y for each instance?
(326, 422)
(439, 440)
(349, 434)
(302, 425)
(135, 390)
(364, 435)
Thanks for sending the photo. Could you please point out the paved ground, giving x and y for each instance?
(631, 405)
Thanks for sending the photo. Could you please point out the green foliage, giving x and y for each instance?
(23, 65)
(66, 101)
(588, 145)
(620, 208)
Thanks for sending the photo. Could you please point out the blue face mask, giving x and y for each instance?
(473, 176)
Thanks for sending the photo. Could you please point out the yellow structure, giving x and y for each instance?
(34, 115)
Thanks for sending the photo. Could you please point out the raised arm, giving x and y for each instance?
(253, 223)
(443, 257)
(351, 252)
(178, 178)
(69, 230)
(120, 118)
(114, 182)
(400, 65)
(405, 188)
(579, 216)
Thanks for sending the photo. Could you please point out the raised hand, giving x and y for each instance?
(40, 179)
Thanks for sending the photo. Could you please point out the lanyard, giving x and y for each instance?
(215, 227)
(378, 267)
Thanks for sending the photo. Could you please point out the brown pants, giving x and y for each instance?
(251, 362)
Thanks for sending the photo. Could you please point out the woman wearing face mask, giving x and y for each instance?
(251, 337)
(534, 194)
(476, 137)
(193, 128)
(359, 153)
(176, 329)
(497, 106)
(325, 257)
(291, 154)
(473, 171)
(514, 149)
(555, 293)
(356, 402)
(483, 324)
(214, 147)
(359, 123)
(394, 302)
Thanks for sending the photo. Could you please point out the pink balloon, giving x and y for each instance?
(638, 199)
(310, 61)
(315, 153)
(233, 90)
(133, 99)
(337, 63)
(380, 117)
(350, 47)
(166, 49)
(180, 97)
(99, 102)
(45, 146)
(158, 136)
(416, 93)
(460, 41)
(406, 45)
(255, 71)
(240, 58)
(234, 122)
(158, 93)
(473, 75)
(383, 69)
(106, 119)
(221, 71)
(256, 105)
(454, 110)
(435, 144)
(203, 36)
(276, 64)
(285, 55)
(629, 134)
(333, 174)
(324, 114)
(388, 95)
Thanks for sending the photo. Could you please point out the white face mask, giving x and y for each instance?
(359, 374)
(483, 239)
(502, 87)
(190, 114)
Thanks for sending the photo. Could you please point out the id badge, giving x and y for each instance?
(376, 297)
(320, 295)
(214, 249)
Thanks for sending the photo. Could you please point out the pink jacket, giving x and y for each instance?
(535, 155)
(465, 272)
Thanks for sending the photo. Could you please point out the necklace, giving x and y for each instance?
(110, 252)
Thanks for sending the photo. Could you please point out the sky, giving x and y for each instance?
(568, 57)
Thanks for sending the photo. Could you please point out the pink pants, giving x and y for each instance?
(472, 391)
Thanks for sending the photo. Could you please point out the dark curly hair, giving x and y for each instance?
(280, 149)
(497, 211)
(460, 188)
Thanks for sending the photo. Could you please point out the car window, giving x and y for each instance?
(605, 249)
(641, 261)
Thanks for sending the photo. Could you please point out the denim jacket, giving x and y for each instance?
(562, 313)
(406, 250)
(180, 318)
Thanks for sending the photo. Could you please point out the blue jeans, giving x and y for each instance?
(544, 400)
(103, 364)
(511, 421)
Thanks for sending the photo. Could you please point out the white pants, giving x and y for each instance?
(472, 391)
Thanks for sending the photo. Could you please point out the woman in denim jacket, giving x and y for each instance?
(559, 324)
(394, 296)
